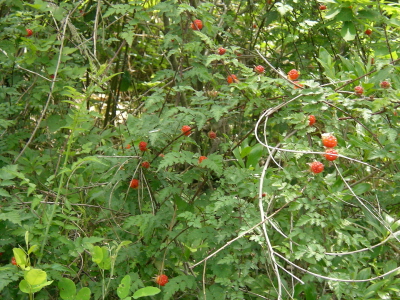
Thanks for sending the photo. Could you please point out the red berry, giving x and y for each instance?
(146, 164)
(186, 130)
(329, 140)
(322, 7)
(1, 253)
(13, 261)
(51, 76)
(134, 184)
(259, 69)
(29, 32)
(359, 90)
(330, 154)
(316, 167)
(143, 146)
(263, 195)
(201, 158)
(197, 24)
(232, 79)
(128, 146)
(385, 84)
(368, 32)
(311, 120)
(161, 279)
(161, 155)
(293, 74)
(221, 51)
(212, 135)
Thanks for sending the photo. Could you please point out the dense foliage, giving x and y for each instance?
(140, 139)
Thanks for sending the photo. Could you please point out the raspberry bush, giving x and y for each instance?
(96, 92)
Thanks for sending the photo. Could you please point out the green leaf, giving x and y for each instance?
(25, 287)
(33, 248)
(348, 31)
(283, 8)
(83, 294)
(35, 276)
(173, 158)
(361, 188)
(245, 151)
(332, 13)
(4, 193)
(20, 257)
(145, 292)
(105, 262)
(67, 289)
(9, 172)
(346, 14)
(254, 156)
(97, 255)
(128, 37)
(124, 287)
(214, 162)
(122, 244)
(7, 275)
(326, 61)
(355, 141)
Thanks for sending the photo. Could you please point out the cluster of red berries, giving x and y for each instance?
(186, 130)
(329, 141)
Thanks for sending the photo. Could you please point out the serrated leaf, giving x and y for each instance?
(214, 162)
(173, 158)
(204, 38)
(179, 283)
(7, 275)
(4, 193)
